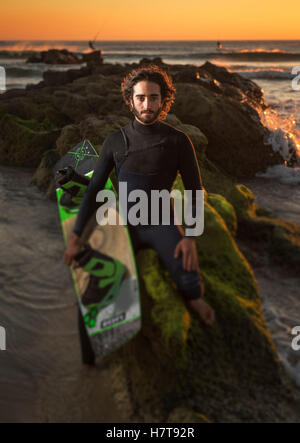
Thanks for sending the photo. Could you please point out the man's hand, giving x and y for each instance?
(187, 247)
(73, 248)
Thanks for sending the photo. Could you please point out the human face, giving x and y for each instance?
(146, 102)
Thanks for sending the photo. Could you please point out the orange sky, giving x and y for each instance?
(150, 20)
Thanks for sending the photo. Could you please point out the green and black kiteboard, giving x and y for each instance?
(105, 277)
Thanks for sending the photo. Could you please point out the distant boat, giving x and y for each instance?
(219, 45)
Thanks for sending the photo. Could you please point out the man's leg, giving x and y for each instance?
(190, 283)
(164, 240)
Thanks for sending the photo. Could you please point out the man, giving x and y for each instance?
(149, 158)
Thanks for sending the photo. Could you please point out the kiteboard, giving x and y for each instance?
(105, 277)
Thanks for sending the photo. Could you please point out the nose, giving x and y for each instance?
(146, 103)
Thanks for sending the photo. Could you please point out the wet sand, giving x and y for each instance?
(279, 289)
(42, 379)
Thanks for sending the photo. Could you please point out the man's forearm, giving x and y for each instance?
(87, 208)
(89, 205)
(75, 239)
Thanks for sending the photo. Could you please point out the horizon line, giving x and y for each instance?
(167, 40)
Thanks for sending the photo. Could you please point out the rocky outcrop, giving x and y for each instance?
(228, 373)
(55, 57)
(235, 133)
(23, 142)
(63, 56)
(93, 59)
(275, 240)
(57, 78)
(223, 105)
(220, 80)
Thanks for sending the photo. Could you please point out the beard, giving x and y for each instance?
(148, 119)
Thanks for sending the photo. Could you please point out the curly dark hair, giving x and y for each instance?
(153, 74)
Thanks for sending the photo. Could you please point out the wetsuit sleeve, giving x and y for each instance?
(104, 166)
(190, 174)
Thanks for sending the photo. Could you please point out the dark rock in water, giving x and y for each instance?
(220, 80)
(191, 75)
(35, 58)
(235, 133)
(248, 87)
(65, 57)
(39, 85)
(56, 78)
(109, 69)
(93, 58)
(55, 57)
(155, 61)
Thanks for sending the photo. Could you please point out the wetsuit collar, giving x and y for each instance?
(145, 129)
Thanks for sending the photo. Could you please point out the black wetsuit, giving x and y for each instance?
(153, 156)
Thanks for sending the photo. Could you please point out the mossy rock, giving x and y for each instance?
(285, 246)
(24, 141)
(43, 176)
(197, 137)
(176, 361)
(276, 239)
(96, 129)
(213, 179)
(225, 209)
(68, 138)
(242, 199)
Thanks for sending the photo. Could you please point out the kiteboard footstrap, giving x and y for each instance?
(105, 277)
(73, 184)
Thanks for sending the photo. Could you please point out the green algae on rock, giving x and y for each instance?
(25, 141)
(225, 209)
(176, 361)
(242, 199)
(43, 176)
(280, 239)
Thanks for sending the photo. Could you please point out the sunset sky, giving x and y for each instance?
(150, 20)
